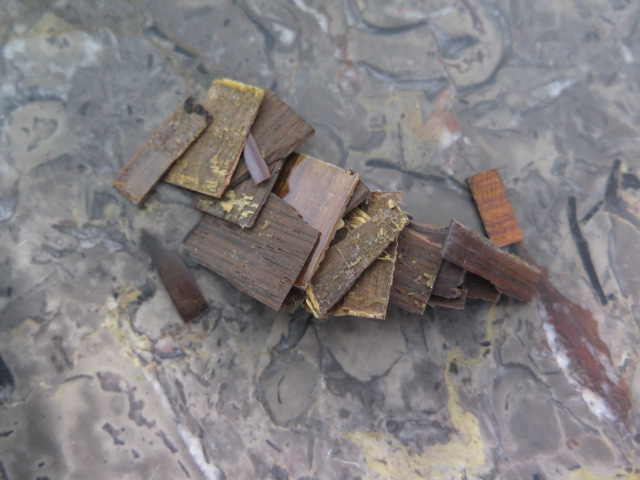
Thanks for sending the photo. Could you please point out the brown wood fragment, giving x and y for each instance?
(435, 233)
(495, 209)
(345, 261)
(417, 265)
(454, 303)
(369, 295)
(179, 281)
(509, 274)
(278, 131)
(319, 192)
(207, 166)
(138, 177)
(360, 194)
(479, 288)
(263, 261)
(242, 204)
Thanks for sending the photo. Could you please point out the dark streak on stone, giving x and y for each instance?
(183, 51)
(107, 427)
(184, 469)
(7, 382)
(589, 215)
(354, 14)
(6, 433)
(298, 326)
(431, 86)
(269, 40)
(273, 445)
(160, 434)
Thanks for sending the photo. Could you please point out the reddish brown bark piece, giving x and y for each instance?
(360, 194)
(454, 303)
(138, 177)
(509, 274)
(495, 209)
(480, 289)
(263, 261)
(179, 281)
(346, 260)
(417, 265)
(319, 192)
(277, 130)
(207, 166)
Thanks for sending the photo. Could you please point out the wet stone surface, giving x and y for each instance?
(100, 379)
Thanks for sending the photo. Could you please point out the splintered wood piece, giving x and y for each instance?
(495, 209)
(509, 274)
(417, 265)
(207, 166)
(319, 192)
(454, 303)
(346, 260)
(360, 194)
(258, 168)
(241, 204)
(179, 281)
(263, 261)
(480, 289)
(278, 131)
(369, 296)
(138, 177)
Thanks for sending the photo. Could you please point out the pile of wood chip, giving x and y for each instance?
(291, 230)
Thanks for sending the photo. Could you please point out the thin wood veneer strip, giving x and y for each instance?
(479, 288)
(360, 194)
(509, 274)
(495, 209)
(453, 303)
(136, 179)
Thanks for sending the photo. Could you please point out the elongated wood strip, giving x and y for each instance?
(258, 168)
(278, 131)
(242, 204)
(479, 288)
(369, 295)
(179, 281)
(454, 303)
(361, 194)
(435, 233)
(509, 274)
(417, 265)
(495, 209)
(319, 192)
(345, 261)
(207, 166)
(138, 177)
(262, 261)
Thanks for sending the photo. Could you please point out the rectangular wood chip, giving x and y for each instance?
(319, 192)
(495, 209)
(262, 261)
(207, 166)
(360, 194)
(179, 281)
(369, 296)
(509, 274)
(480, 289)
(145, 169)
(454, 303)
(346, 260)
(417, 265)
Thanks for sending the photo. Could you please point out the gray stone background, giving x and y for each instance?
(103, 380)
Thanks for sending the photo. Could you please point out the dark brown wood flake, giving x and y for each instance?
(263, 261)
(454, 303)
(207, 166)
(479, 288)
(138, 177)
(509, 274)
(179, 281)
(360, 194)
(346, 260)
(495, 209)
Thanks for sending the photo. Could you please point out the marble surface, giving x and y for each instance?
(99, 378)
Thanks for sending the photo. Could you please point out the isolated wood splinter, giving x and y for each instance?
(453, 303)
(258, 168)
(479, 288)
(361, 194)
(145, 169)
(179, 281)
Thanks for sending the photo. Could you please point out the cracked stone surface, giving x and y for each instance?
(99, 378)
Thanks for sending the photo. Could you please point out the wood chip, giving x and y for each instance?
(346, 260)
(263, 261)
(480, 289)
(319, 192)
(136, 180)
(361, 194)
(369, 296)
(454, 303)
(495, 209)
(417, 265)
(207, 166)
(253, 159)
(179, 281)
(509, 274)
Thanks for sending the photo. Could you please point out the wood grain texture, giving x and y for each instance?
(319, 192)
(479, 288)
(262, 261)
(361, 194)
(145, 169)
(417, 265)
(241, 204)
(471, 251)
(278, 130)
(176, 277)
(209, 163)
(495, 209)
(453, 303)
(348, 259)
